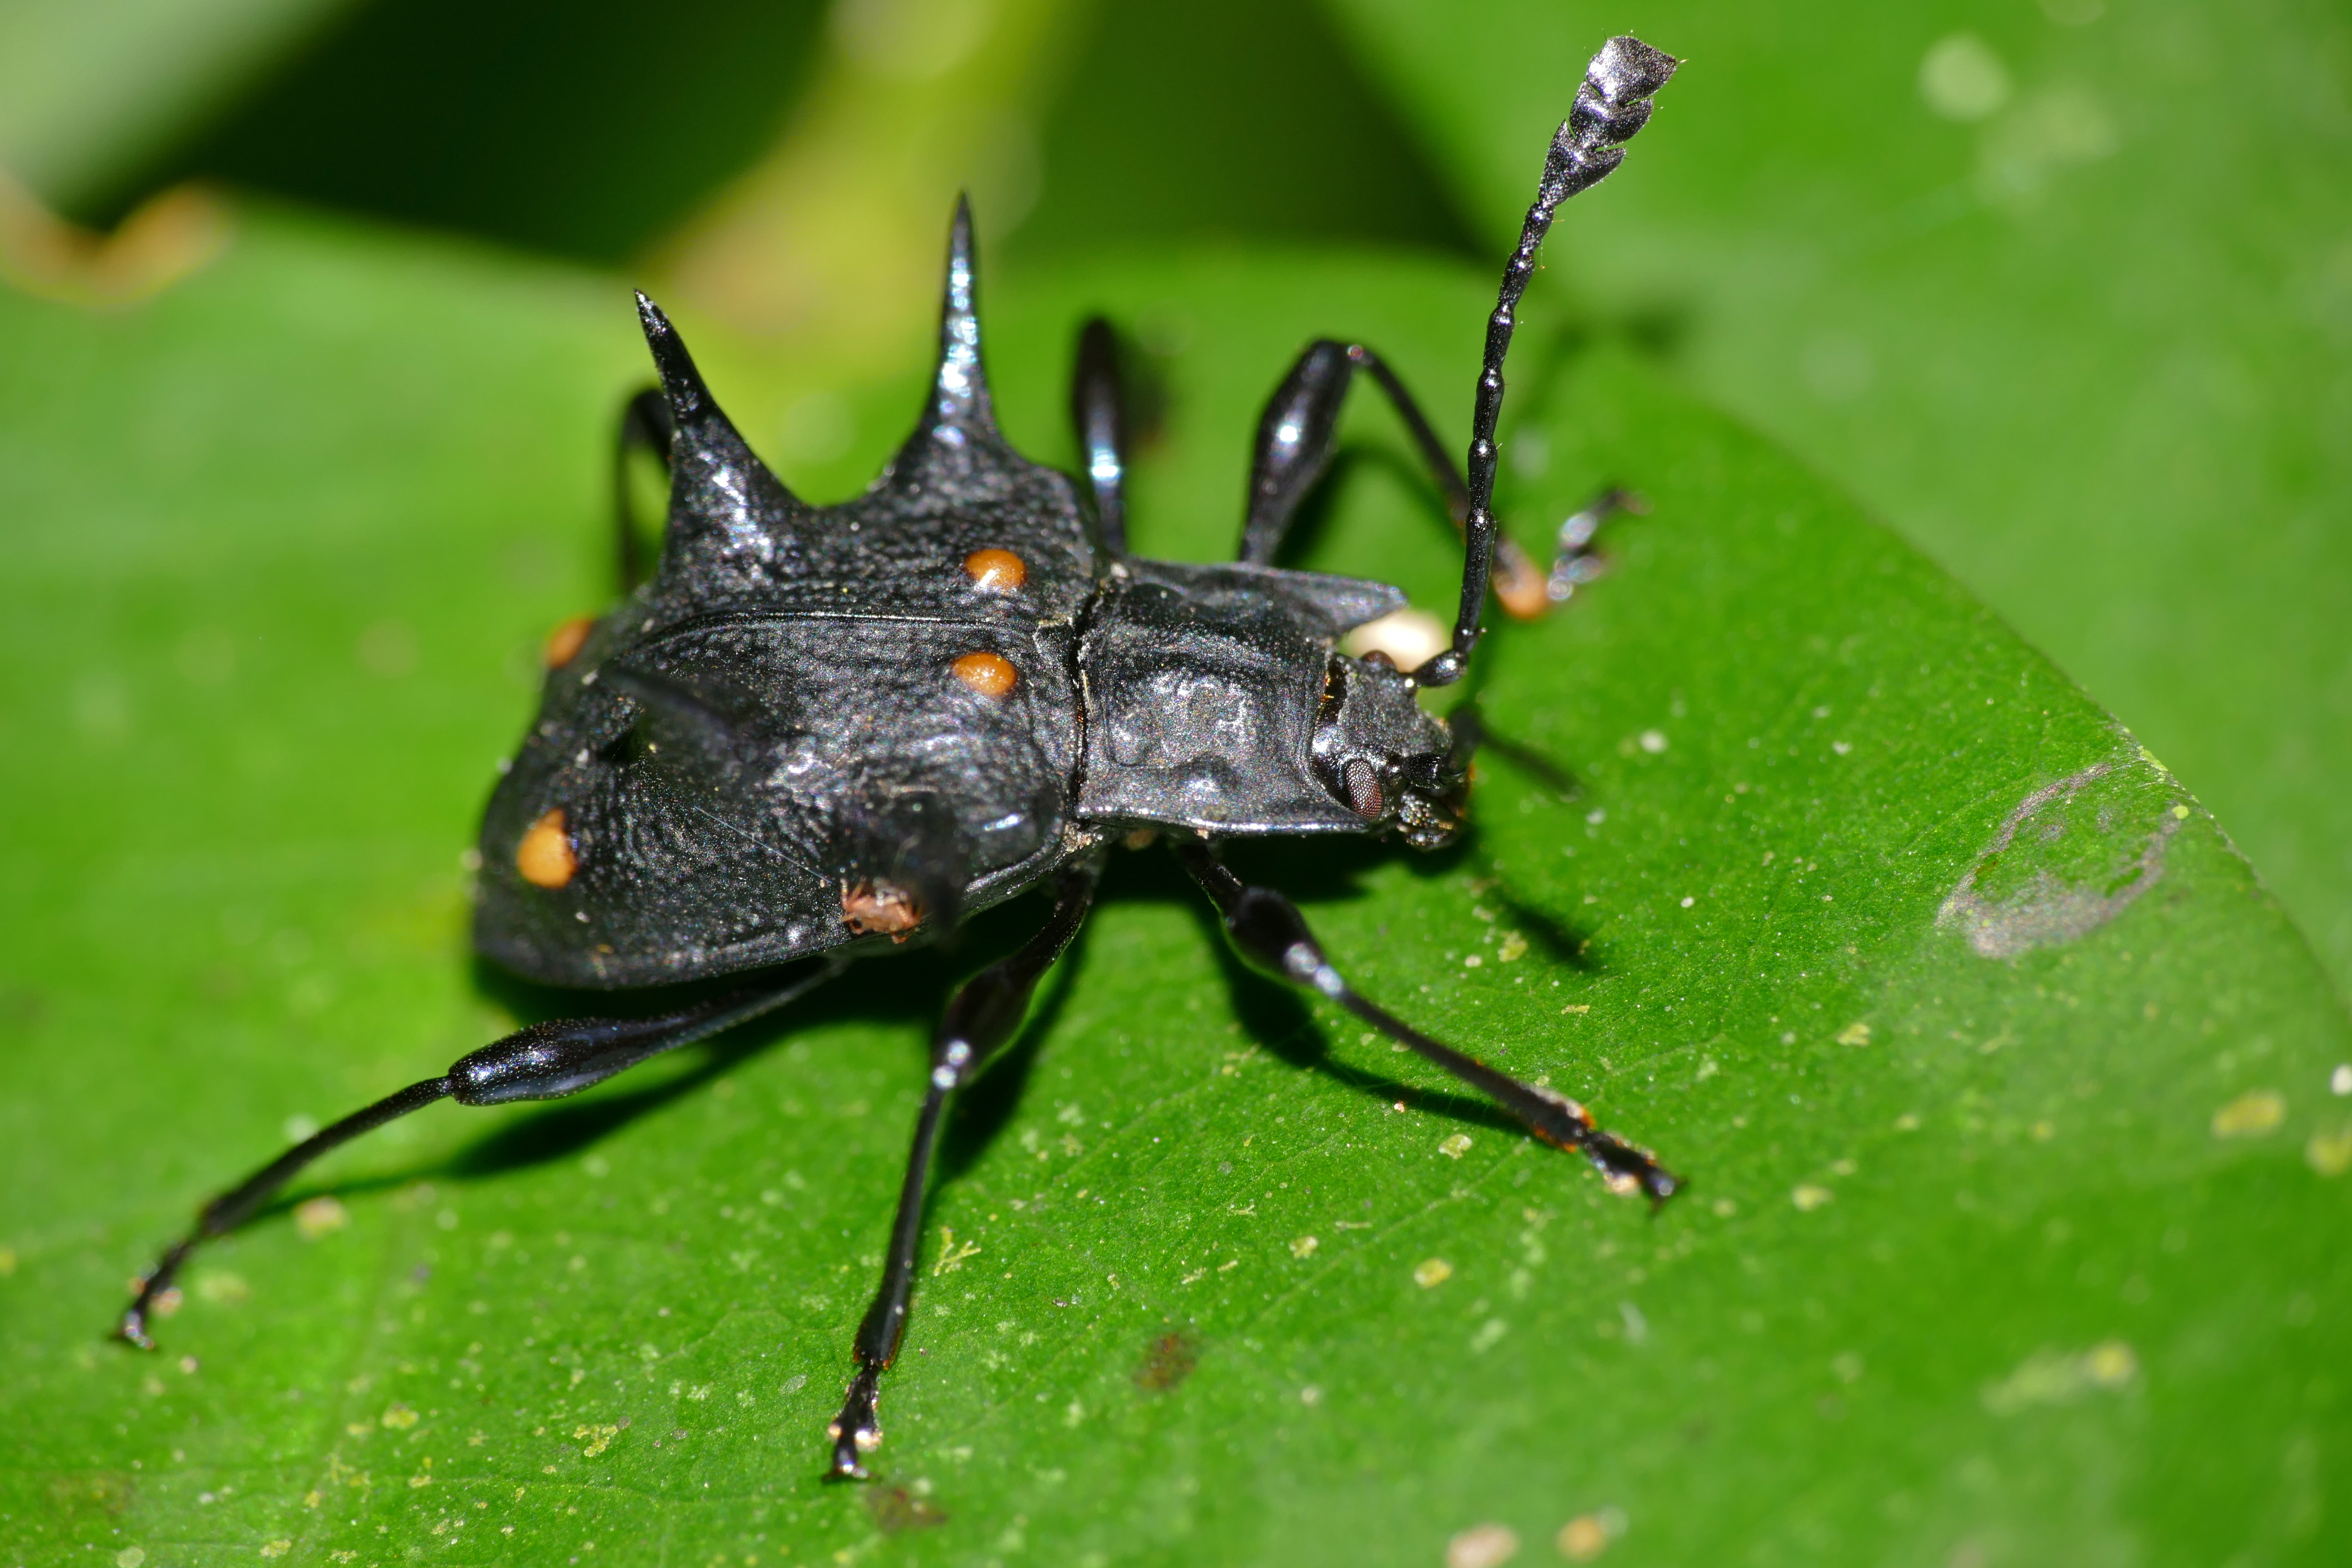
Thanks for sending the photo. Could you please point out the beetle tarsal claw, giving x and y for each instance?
(878, 906)
(857, 1430)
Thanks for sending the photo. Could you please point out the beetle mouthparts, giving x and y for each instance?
(884, 907)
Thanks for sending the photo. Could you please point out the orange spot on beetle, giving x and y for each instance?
(884, 907)
(996, 571)
(564, 642)
(986, 673)
(545, 856)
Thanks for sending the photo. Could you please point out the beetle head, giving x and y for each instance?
(1377, 751)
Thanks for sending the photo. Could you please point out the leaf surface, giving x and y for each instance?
(2001, 1089)
(2013, 275)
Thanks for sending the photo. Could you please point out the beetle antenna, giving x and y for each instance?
(1611, 103)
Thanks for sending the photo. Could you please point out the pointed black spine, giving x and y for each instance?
(959, 399)
(728, 514)
(689, 399)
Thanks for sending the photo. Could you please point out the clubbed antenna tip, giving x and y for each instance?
(1628, 67)
(1612, 103)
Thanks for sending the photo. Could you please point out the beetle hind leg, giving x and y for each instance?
(646, 429)
(544, 1061)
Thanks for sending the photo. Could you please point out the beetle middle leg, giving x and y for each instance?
(1099, 410)
(1268, 932)
(544, 1061)
(1296, 436)
(980, 1020)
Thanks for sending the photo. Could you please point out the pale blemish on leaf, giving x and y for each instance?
(222, 1288)
(951, 1255)
(1482, 1546)
(1582, 1539)
(2056, 1377)
(2250, 1115)
(2072, 855)
(320, 1216)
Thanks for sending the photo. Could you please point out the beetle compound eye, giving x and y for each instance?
(564, 642)
(996, 571)
(1363, 788)
(545, 857)
(986, 673)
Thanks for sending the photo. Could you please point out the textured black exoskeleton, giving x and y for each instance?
(814, 733)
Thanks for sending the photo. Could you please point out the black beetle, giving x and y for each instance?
(814, 733)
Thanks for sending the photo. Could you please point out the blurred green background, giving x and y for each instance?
(2061, 288)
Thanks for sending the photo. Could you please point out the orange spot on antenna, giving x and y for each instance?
(545, 857)
(986, 673)
(564, 642)
(996, 571)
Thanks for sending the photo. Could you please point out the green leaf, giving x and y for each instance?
(2017, 277)
(2001, 1089)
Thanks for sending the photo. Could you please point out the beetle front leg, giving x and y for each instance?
(980, 1020)
(1296, 437)
(1267, 931)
